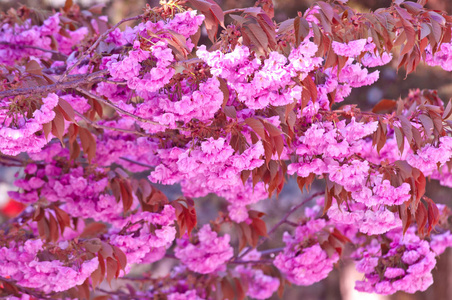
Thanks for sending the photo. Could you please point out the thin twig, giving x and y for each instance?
(122, 111)
(282, 221)
(32, 47)
(137, 162)
(108, 127)
(291, 223)
(271, 251)
(96, 43)
(291, 211)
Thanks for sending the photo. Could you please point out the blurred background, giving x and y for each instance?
(339, 285)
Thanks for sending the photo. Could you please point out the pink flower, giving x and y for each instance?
(209, 255)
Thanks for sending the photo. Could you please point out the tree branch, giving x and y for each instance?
(90, 78)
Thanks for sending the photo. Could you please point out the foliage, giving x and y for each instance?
(86, 108)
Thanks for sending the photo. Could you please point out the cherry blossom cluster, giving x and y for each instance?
(146, 240)
(20, 133)
(117, 146)
(212, 167)
(20, 262)
(272, 78)
(16, 39)
(150, 47)
(260, 285)
(406, 266)
(442, 58)
(303, 261)
(82, 192)
(208, 255)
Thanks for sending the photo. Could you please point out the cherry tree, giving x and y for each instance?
(88, 108)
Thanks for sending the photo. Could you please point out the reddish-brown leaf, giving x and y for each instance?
(83, 290)
(112, 265)
(38, 214)
(245, 175)
(58, 124)
(305, 182)
(47, 128)
(427, 123)
(406, 128)
(405, 215)
(240, 292)
(66, 109)
(272, 129)
(420, 183)
(126, 195)
(74, 149)
(213, 15)
(230, 112)
(92, 245)
(279, 144)
(400, 138)
(385, 106)
(33, 67)
(247, 233)
(328, 199)
(448, 110)
(88, 143)
(97, 277)
(43, 229)
(224, 89)
(120, 257)
(93, 230)
(421, 218)
(106, 250)
(268, 149)
(301, 27)
(53, 227)
(257, 126)
(227, 289)
(432, 214)
(63, 218)
(260, 226)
